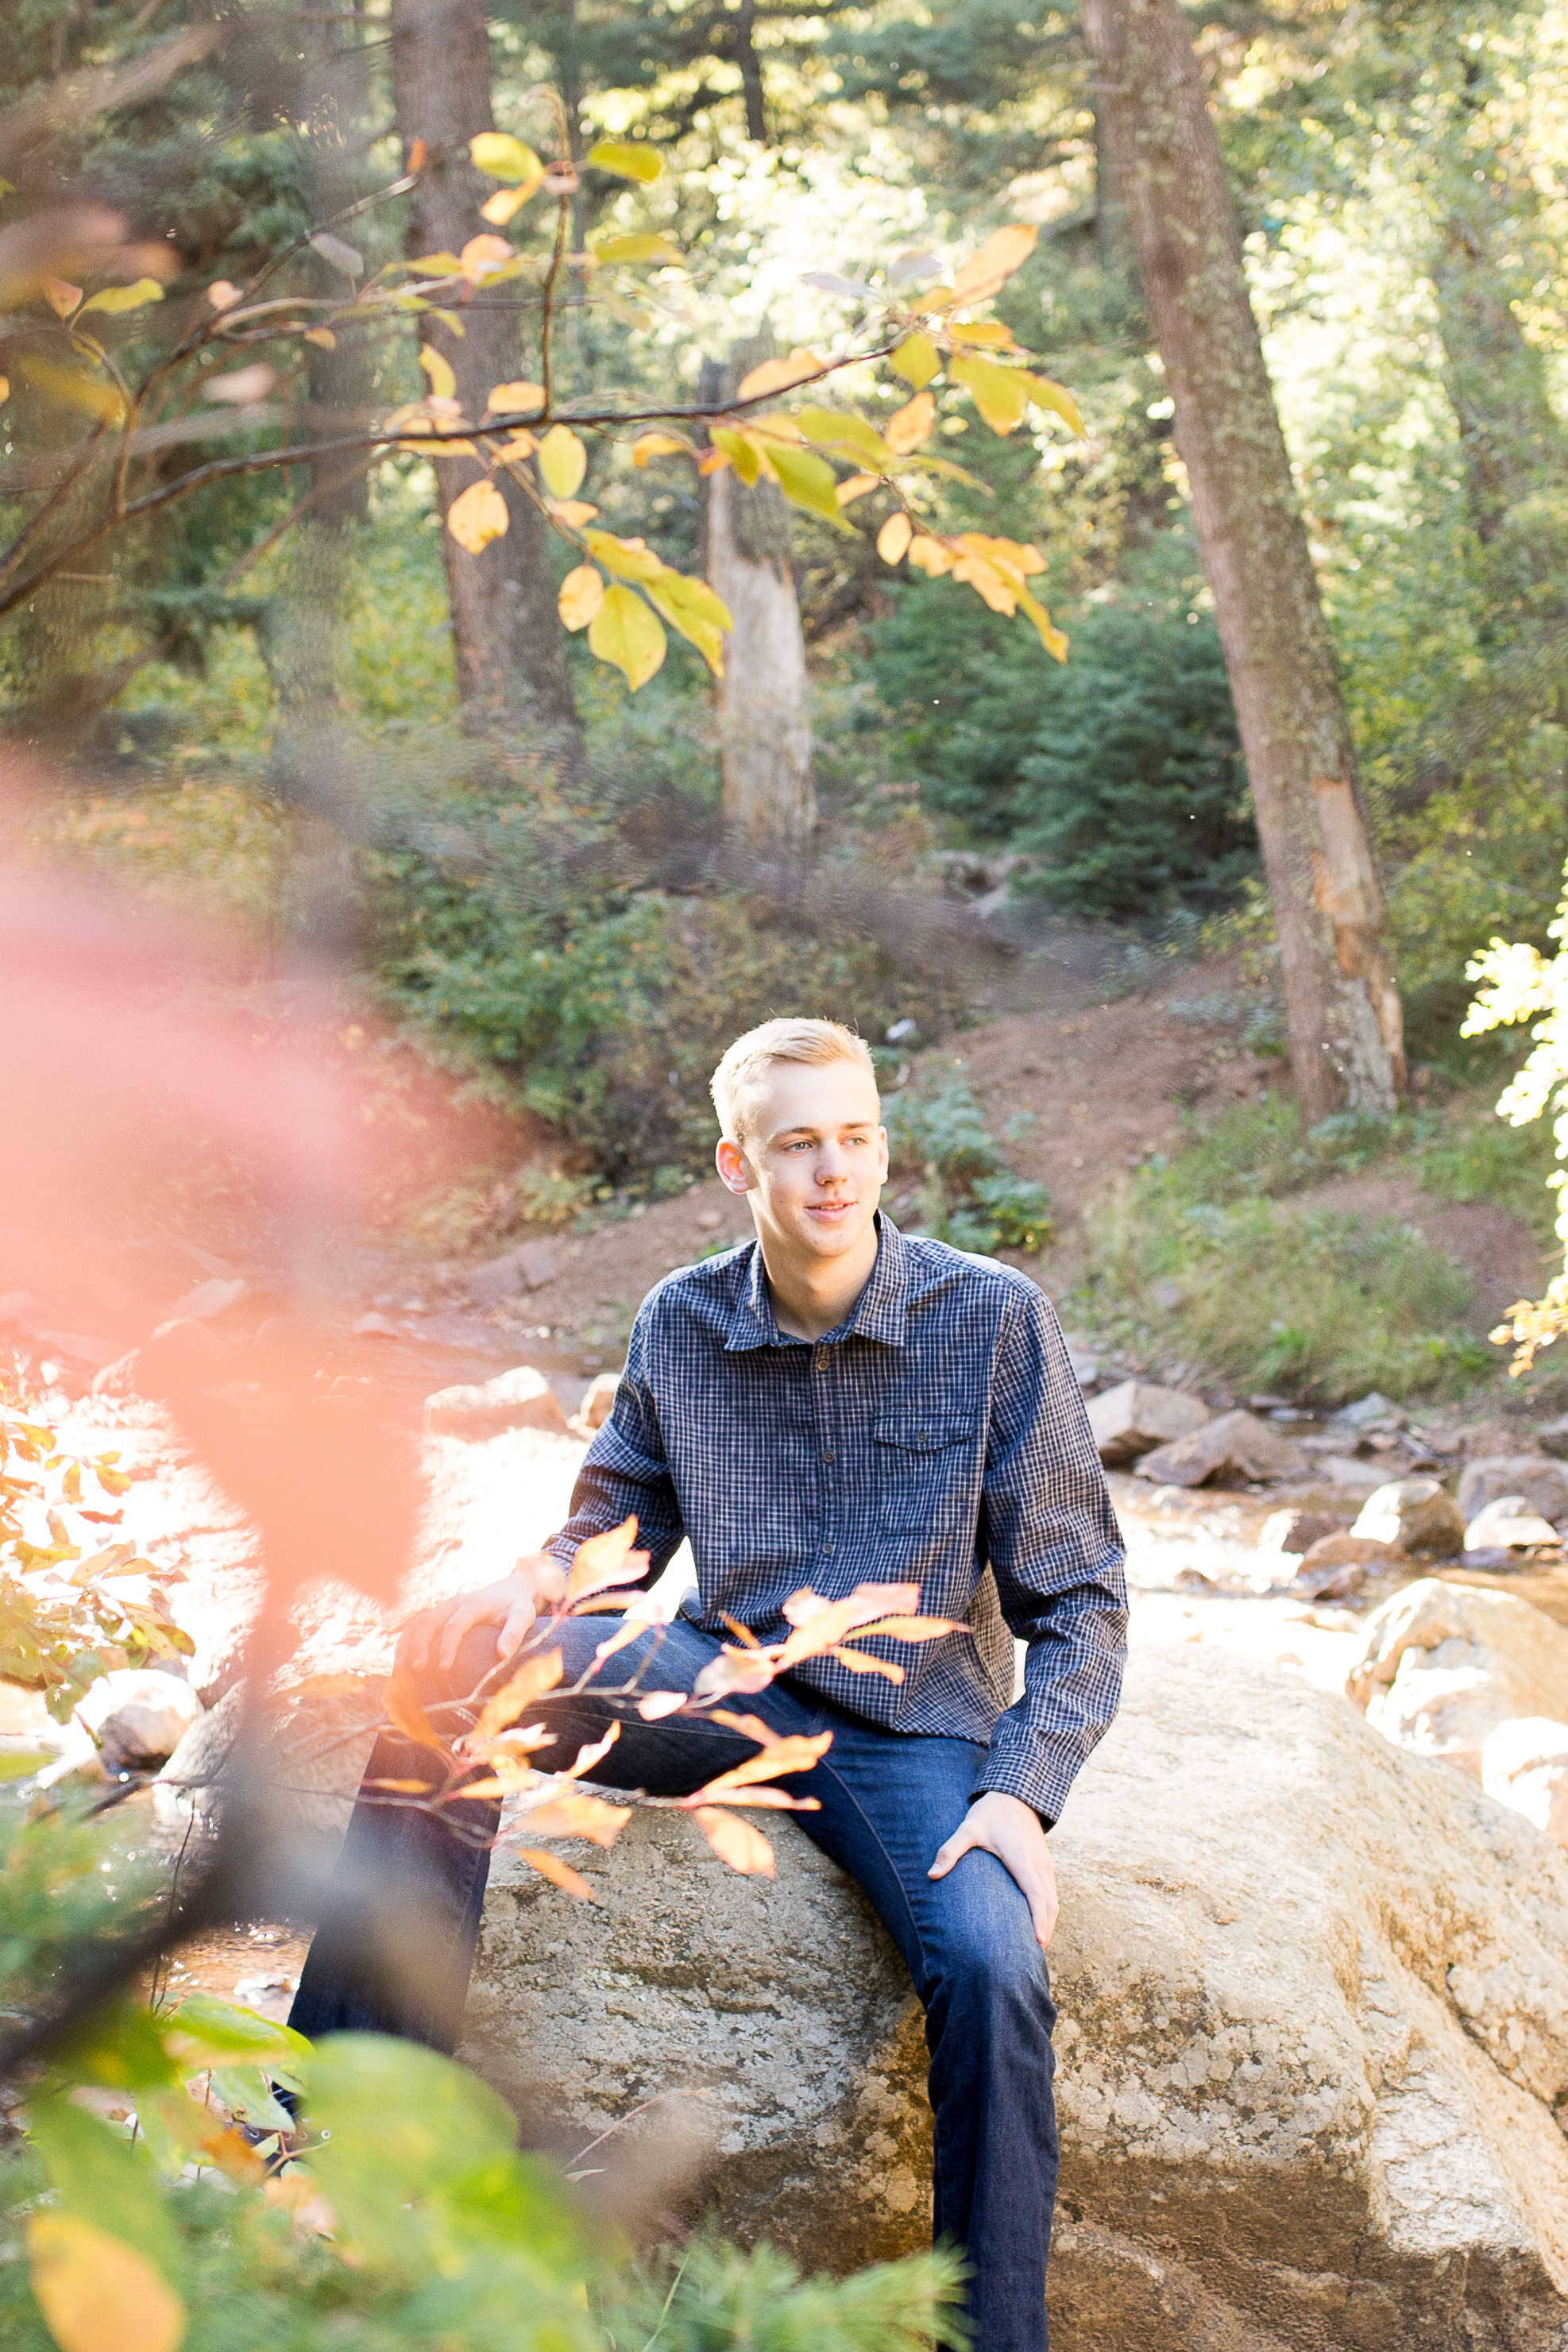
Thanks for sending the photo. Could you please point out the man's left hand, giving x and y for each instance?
(1009, 1828)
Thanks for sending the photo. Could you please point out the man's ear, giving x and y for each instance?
(731, 1162)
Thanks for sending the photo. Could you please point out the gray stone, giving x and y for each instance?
(1417, 1513)
(1314, 2023)
(1508, 1524)
(317, 1752)
(519, 1399)
(1525, 1764)
(1237, 1445)
(537, 1263)
(598, 1401)
(1443, 1665)
(1135, 1416)
(1294, 1529)
(1370, 1413)
(1338, 1565)
(1553, 1436)
(495, 1280)
(140, 1714)
(1350, 1476)
(1542, 1482)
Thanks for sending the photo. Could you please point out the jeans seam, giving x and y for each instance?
(876, 1836)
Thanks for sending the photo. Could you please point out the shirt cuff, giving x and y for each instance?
(1031, 1765)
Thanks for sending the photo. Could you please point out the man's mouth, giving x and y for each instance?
(828, 1208)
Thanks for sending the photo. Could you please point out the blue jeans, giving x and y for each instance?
(394, 1954)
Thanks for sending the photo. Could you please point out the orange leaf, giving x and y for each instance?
(593, 1754)
(560, 1874)
(773, 1801)
(752, 1726)
(477, 515)
(910, 425)
(534, 1676)
(98, 2293)
(660, 1703)
(777, 375)
(735, 1670)
(795, 1754)
(859, 1664)
(574, 1815)
(894, 537)
(994, 263)
(406, 1787)
(912, 1629)
(735, 1842)
(930, 556)
(405, 1712)
(820, 1623)
(606, 1560)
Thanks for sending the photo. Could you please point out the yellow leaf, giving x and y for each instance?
(988, 331)
(560, 1874)
(582, 593)
(930, 556)
(743, 453)
(626, 632)
(910, 425)
(994, 263)
(855, 487)
(504, 398)
(1051, 637)
(440, 265)
(115, 298)
(809, 480)
(1000, 394)
(91, 395)
(98, 2293)
(629, 159)
(534, 1676)
(405, 1711)
(658, 444)
(797, 1753)
(894, 537)
(643, 246)
(5, 388)
(979, 573)
(773, 426)
(600, 1561)
(476, 516)
(563, 461)
(503, 157)
(572, 512)
(916, 360)
(628, 558)
(442, 383)
(837, 428)
(501, 207)
(61, 297)
(1047, 394)
(483, 256)
(572, 1815)
(323, 337)
(745, 1848)
(777, 375)
(691, 607)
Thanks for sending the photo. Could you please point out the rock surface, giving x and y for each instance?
(1542, 1482)
(1237, 1445)
(1525, 1764)
(1418, 1514)
(519, 1399)
(1507, 1523)
(1314, 2003)
(1444, 1665)
(1135, 1416)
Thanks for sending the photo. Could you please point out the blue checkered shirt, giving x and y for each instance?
(937, 1435)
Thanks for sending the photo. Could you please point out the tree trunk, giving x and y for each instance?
(1341, 997)
(510, 650)
(763, 717)
(750, 66)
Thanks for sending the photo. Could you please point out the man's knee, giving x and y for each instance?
(476, 1659)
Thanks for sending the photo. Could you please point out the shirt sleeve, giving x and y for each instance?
(625, 1470)
(1056, 1554)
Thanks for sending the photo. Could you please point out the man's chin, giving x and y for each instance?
(833, 1240)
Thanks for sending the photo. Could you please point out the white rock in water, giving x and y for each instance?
(1444, 1665)
(598, 1400)
(1417, 1513)
(139, 1716)
(1135, 1416)
(1540, 1482)
(1525, 1764)
(1314, 2023)
(519, 1399)
(1508, 1524)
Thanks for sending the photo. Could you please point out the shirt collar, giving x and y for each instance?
(877, 1314)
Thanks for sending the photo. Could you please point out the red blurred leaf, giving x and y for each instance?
(606, 1559)
(406, 1787)
(745, 1848)
(560, 1874)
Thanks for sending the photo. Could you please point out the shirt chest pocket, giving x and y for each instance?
(925, 1462)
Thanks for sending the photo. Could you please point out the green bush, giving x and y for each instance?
(969, 1195)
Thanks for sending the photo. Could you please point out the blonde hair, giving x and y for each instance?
(746, 1064)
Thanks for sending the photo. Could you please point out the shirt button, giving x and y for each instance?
(827, 1453)
(828, 1544)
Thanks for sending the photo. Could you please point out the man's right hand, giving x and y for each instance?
(434, 1637)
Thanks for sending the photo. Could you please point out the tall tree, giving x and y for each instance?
(511, 658)
(1340, 995)
(764, 716)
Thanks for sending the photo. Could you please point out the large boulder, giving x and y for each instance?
(1314, 2025)
(519, 1399)
(1525, 1764)
(1418, 1514)
(1444, 1665)
(1135, 1416)
(1541, 1483)
(1237, 1445)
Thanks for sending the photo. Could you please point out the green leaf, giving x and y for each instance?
(121, 2049)
(741, 450)
(1047, 394)
(503, 157)
(626, 632)
(115, 298)
(98, 2174)
(916, 360)
(641, 248)
(210, 2030)
(837, 428)
(1000, 394)
(629, 159)
(809, 481)
(692, 607)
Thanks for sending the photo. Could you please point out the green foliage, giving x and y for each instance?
(969, 1196)
(710, 2296)
(1117, 776)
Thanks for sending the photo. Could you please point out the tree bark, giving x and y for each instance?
(512, 677)
(763, 714)
(1341, 1000)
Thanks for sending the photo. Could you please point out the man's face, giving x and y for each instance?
(815, 1158)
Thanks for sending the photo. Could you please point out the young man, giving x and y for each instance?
(829, 1404)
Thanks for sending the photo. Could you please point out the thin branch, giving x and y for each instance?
(80, 465)
(562, 211)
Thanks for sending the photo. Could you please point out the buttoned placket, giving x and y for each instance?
(822, 1429)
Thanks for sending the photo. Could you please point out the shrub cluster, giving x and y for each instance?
(968, 1194)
